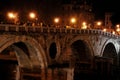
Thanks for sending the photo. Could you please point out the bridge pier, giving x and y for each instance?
(30, 74)
(56, 74)
(103, 66)
(70, 73)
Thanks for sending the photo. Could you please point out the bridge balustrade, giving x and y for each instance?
(37, 29)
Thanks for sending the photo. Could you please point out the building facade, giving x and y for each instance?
(80, 10)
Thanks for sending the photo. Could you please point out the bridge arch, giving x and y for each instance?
(110, 50)
(85, 42)
(81, 49)
(83, 59)
(29, 53)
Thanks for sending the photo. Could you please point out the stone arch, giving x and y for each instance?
(119, 57)
(108, 60)
(85, 42)
(85, 56)
(81, 50)
(110, 50)
(35, 59)
(115, 44)
(30, 43)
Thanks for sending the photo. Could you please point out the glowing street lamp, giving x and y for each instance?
(118, 28)
(32, 15)
(73, 20)
(84, 25)
(56, 20)
(99, 23)
(13, 16)
(104, 29)
(33, 18)
(113, 32)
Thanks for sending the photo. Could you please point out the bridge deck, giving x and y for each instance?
(38, 29)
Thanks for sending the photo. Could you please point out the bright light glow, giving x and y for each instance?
(117, 25)
(113, 32)
(73, 20)
(56, 20)
(32, 15)
(104, 30)
(118, 29)
(12, 15)
(84, 26)
(99, 23)
(84, 23)
(68, 27)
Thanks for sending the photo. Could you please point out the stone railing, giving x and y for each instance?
(38, 29)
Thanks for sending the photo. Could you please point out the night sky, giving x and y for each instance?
(50, 6)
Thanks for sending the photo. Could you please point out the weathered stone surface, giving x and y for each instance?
(32, 49)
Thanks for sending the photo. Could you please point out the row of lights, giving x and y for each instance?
(98, 24)
(116, 31)
(32, 15)
(14, 16)
(73, 21)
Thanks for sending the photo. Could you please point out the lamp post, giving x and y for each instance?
(56, 21)
(84, 25)
(13, 17)
(33, 18)
(98, 25)
(32, 15)
(118, 28)
(73, 21)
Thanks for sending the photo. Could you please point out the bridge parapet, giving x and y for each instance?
(38, 29)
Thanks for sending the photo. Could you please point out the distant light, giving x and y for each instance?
(104, 30)
(118, 29)
(56, 20)
(12, 15)
(68, 27)
(113, 32)
(84, 26)
(73, 20)
(32, 15)
(84, 23)
(99, 23)
(117, 25)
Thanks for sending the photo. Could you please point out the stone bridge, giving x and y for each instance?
(48, 53)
